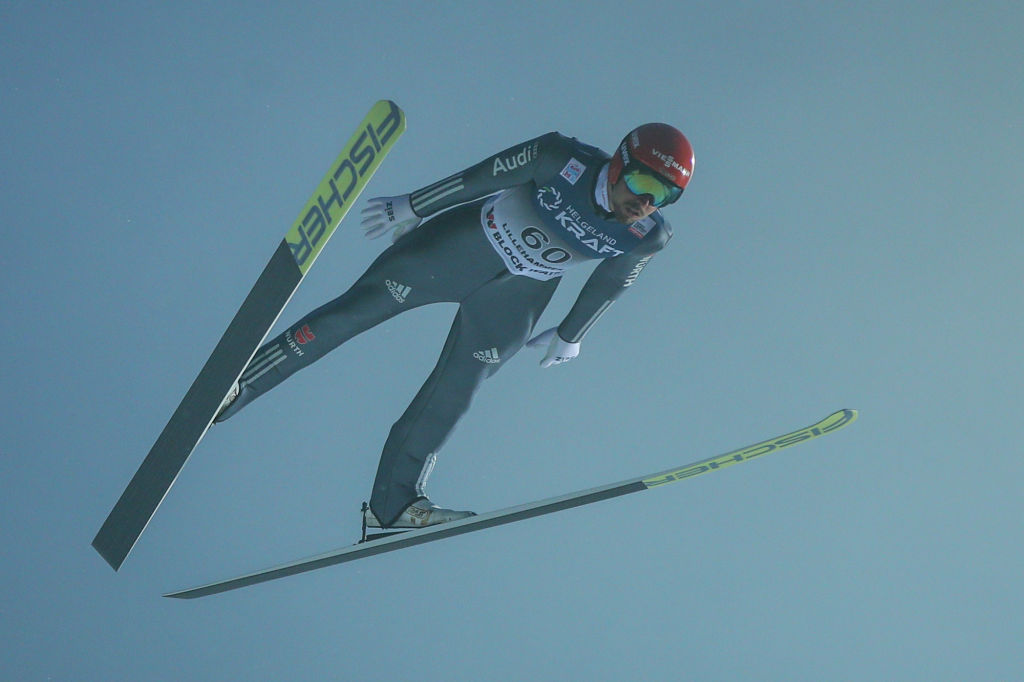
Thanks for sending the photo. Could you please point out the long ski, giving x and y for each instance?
(830, 424)
(347, 177)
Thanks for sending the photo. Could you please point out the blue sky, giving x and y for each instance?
(851, 238)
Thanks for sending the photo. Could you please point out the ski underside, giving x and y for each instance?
(335, 195)
(401, 540)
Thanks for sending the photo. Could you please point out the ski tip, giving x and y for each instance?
(838, 420)
(389, 109)
(850, 414)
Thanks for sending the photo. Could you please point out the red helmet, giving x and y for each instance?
(657, 146)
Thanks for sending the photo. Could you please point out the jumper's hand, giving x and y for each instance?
(382, 214)
(558, 350)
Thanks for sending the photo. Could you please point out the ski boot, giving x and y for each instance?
(420, 514)
(228, 400)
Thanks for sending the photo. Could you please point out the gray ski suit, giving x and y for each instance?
(503, 233)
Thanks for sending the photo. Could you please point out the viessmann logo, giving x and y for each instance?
(670, 162)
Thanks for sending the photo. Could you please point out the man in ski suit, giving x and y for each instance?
(503, 233)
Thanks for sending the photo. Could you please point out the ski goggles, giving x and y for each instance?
(641, 180)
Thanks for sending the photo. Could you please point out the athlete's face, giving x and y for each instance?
(628, 207)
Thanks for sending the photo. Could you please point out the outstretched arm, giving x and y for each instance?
(608, 281)
(513, 166)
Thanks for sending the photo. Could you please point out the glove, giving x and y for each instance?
(384, 213)
(558, 350)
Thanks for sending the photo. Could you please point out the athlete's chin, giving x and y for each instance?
(627, 216)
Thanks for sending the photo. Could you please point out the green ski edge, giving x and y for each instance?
(828, 425)
(354, 167)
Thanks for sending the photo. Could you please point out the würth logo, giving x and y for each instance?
(304, 335)
(296, 338)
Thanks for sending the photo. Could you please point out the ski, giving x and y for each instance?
(401, 540)
(345, 180)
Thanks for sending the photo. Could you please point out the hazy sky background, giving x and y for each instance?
(851, 238)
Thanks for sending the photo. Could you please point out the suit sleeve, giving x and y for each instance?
(609, 279)
(513, 166)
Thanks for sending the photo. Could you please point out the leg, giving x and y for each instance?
(491, 326)
(444, 260)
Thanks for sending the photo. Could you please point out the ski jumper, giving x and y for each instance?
(504, 232)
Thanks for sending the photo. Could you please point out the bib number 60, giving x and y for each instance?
(536, 239)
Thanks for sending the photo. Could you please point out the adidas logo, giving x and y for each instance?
(399, 291)
(488, 356)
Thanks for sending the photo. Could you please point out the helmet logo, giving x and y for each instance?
(670, 162)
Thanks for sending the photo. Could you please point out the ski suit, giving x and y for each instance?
(503, 233)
